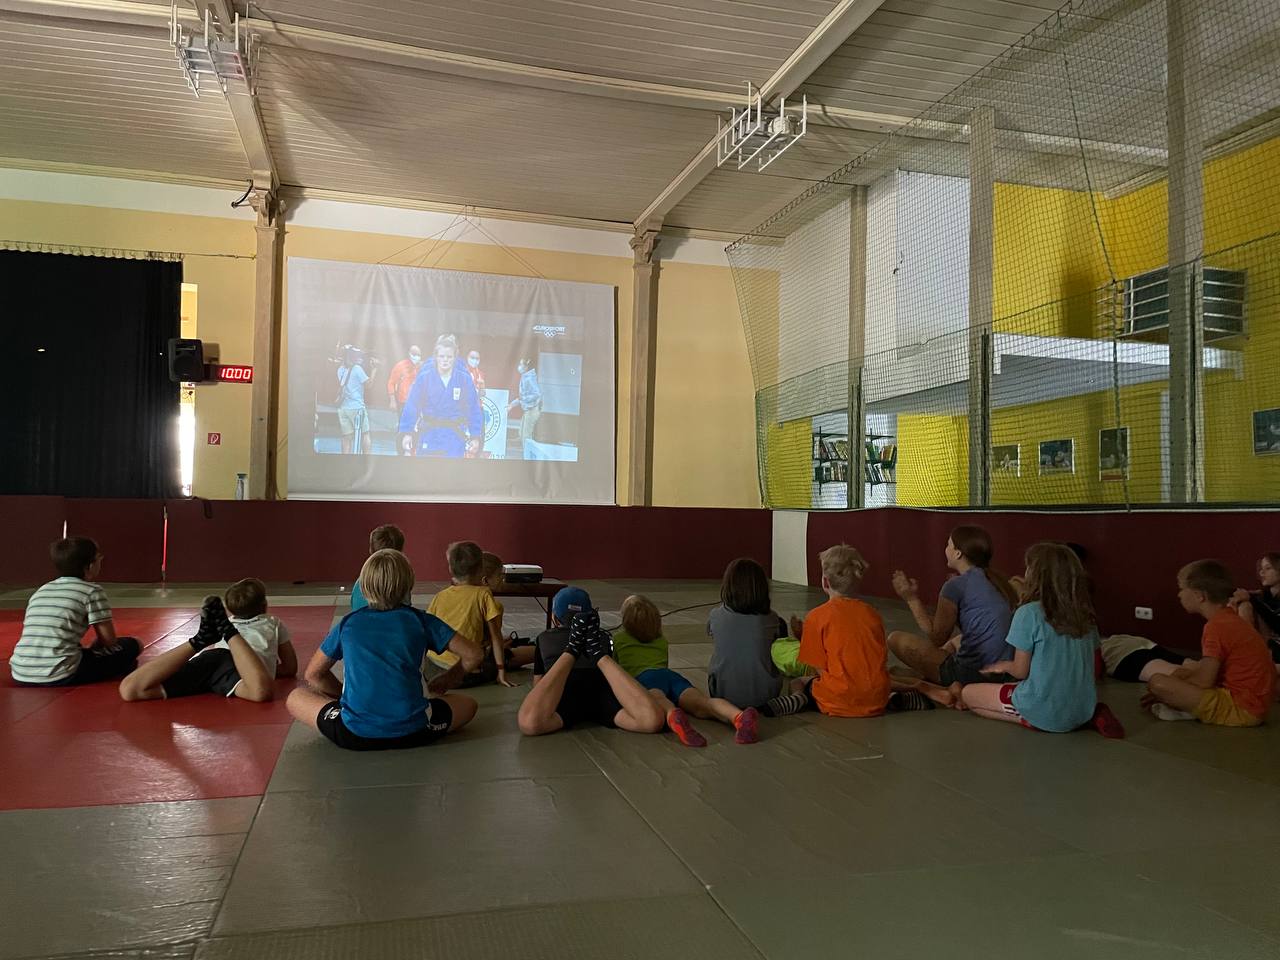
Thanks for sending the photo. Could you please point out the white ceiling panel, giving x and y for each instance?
(348, 125)
(112, 96)
(708, 44)
(911, 53)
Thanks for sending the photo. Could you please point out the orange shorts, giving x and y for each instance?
(1219, 707)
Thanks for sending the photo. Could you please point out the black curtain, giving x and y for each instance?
(89, 408)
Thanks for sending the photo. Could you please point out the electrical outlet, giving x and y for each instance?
(1143, 613)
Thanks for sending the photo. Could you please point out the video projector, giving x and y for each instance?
(522, 573)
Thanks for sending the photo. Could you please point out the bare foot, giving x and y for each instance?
(955, 691)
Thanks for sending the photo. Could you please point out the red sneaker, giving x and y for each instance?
(679, 723)
(1107, 723)
(744, 726)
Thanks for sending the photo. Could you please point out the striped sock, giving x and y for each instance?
(786, 705)
(905, 701)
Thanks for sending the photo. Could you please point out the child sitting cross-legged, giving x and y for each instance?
(1054, 636)
(379, 705)
(843, 640)
(1234, 681)
(641, 650)
(60, 613)
(468, 606)
(386, 536)
(238, 651)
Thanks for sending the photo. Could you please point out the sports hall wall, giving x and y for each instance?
(1062, 269)
(705, 460)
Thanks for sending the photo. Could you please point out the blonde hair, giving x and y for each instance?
(843, 567)
(386, 579)
(641, 618)
(1056, 578)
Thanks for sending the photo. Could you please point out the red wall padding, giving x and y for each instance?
(1133, 558)
(30, 524)
(313, 540)
(130, 534)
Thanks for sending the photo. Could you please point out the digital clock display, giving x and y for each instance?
(232, 373)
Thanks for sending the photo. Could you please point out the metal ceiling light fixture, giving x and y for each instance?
(211, 54)
(757, 132)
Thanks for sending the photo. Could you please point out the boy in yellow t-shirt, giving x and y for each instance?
(469, 608)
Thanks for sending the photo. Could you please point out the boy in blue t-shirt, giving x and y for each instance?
(385, 537)
(380, 704)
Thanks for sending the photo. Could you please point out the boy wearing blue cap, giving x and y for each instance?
(575, 677)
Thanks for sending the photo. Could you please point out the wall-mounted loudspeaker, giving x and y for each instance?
(186, 360)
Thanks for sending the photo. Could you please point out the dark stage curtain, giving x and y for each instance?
(89, 409)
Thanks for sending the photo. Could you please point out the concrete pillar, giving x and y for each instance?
(857, 345)
(982, 187)
(644, 347)
(1186, 245)
(264, 428)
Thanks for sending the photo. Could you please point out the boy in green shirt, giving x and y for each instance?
(641, 650)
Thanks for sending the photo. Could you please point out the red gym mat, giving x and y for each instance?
(83, 746)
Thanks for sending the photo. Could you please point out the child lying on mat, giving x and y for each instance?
(1054, 636)
(575, 677)
(1234, 681)
(843, 641)
(380, 705)
(238, 651)
(641, 650)
(59, 614)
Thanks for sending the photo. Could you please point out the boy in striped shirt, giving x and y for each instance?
(59, 614)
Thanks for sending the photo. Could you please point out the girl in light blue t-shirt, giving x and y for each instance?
(1053, 636)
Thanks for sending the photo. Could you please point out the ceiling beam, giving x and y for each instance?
(827, 37)
(242, 102)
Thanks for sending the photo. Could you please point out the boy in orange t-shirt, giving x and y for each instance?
(1234, 681)
(843, 640)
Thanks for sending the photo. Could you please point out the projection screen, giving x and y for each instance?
(408, 383)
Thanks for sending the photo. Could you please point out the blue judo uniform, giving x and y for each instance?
(445, 412)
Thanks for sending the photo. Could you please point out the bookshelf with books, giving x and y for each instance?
(882, 458)
(830, 458)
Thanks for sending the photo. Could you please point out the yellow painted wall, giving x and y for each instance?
(788, 475)
(933, 460)
(701, 354)
(1049, 264)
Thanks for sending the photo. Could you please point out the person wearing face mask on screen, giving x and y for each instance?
(442, 408)
(402, 376)
(477, 375)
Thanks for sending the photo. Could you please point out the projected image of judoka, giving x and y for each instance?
(441, 417)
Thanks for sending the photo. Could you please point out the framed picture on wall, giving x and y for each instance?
(1057, 456)
(1113, 454)
(1266, 432)
(1006, 460)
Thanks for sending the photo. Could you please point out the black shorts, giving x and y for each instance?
(950, 671)
(210, 671)
(1130, 668)
(587, 696)
(329, 722)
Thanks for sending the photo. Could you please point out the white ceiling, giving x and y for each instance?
(578, 108)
